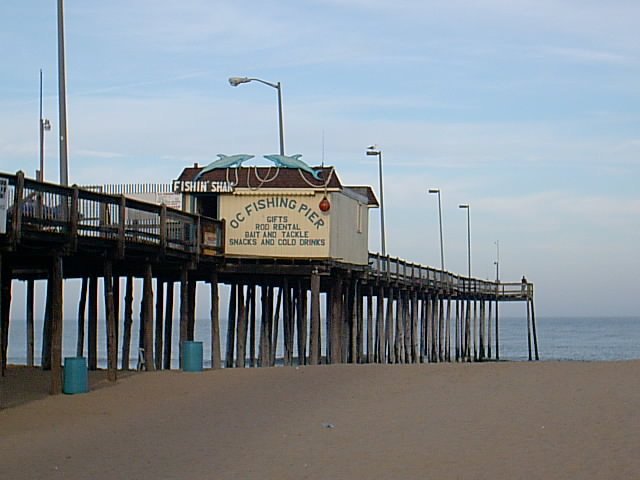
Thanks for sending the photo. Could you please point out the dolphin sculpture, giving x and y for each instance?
(293, 161)
(224, 161)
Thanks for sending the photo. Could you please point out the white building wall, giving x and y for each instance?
(349, 229)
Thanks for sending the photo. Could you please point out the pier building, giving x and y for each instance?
(290, 245)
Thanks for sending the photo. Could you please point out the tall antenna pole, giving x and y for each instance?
(62, 99)
(41, 130)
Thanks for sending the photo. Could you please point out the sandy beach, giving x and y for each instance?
(473, 421)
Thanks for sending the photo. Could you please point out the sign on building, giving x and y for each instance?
(276, 226)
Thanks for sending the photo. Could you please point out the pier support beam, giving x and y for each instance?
(55, 279)
(128, 323)
(467, 331)
(30, 321)
(457, 330)
(231, 326)
(371, 349)
(489, 336)
(399, 336)
(314, 346)
(92, 324)
(351, 321)
(390, 348)
(287, 323)
(116, 306)
(184, 309)
(276, 321)
(5, 305)
(241, 341)
(147, 293)
(112, 340)
(380, 332)
(447, 332)
(532, 337)
(191, 309)
(168, 325)
(216, 361)
(82, 306)
(46, 330)
(251, 303)
(415, 336)
(159, 324)
(301, 323)
(497, 330)
(423, 326)
(266, 302)
(335, 321)
(533, 324)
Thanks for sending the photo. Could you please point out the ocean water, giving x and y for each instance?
(559, 338)
(573, 338)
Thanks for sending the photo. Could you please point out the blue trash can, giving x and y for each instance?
(192, 356)
(76, 377)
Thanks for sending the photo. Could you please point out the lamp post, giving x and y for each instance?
(437, 191)
(44, 125)
(235, 81)
(374, 150)
(497, 262)
(62, 100)
(467, 208)
(497, 302)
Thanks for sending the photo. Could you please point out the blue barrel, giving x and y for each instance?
(192, 356)
(76, 377)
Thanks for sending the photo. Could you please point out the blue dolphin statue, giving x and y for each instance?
(293, 161)
(224, 161)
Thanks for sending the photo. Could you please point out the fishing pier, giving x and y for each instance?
(291, 252)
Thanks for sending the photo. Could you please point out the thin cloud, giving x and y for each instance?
(583, 55)
(98, 154)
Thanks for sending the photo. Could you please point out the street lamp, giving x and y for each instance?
(44, 125)
(467, 208)
(497, 262)
(375, 150)
(62, 100)
(235, 81)
(436, 190)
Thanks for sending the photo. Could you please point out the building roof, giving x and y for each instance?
(367, 192)
(274, 177)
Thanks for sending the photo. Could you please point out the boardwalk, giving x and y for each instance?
(388, 311)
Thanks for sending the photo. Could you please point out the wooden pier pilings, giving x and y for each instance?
(306, 315)
(279, 311)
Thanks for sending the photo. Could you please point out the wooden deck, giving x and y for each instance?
(414, 313)
(46, 217)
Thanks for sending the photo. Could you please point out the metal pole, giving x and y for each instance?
(280, 121)
(497, 296)
(469, 240)
(497, 261)
(441, 239)
(382, 234)
(41, 129)
(62, 98)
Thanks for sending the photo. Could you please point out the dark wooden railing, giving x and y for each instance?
(72, 214)
(398, 270)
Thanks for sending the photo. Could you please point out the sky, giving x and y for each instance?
(528, 111)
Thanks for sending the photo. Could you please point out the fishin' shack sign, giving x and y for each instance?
(202, 186)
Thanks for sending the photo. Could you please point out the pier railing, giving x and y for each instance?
(71, 213)
(398, 270)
